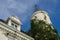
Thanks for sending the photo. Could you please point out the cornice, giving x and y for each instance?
(12, 31)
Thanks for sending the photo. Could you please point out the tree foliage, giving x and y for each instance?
(42, 31)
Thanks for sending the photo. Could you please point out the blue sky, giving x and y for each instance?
(25, 8)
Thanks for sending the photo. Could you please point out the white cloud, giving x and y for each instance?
(16, 7)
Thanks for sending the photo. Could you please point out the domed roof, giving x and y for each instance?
(15, 19)
(41, 15)
(15, 16)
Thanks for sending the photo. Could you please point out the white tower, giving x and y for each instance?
(14, 22)
(41, 15)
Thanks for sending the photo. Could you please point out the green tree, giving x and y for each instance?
(42, 31)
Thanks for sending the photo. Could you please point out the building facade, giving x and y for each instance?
(11, 29)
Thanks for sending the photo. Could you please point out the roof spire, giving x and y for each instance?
(36, 8)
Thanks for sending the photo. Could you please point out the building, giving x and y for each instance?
(11, 29)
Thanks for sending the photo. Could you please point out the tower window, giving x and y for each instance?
(44, 17)
(16, 26)
(35, 17)
(12, 24)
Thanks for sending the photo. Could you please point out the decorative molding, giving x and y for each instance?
(13, 32)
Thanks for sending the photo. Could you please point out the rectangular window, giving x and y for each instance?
(16, 26)
(12, 24)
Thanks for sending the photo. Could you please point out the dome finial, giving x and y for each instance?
(36, 8)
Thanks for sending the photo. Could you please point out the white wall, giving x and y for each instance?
(2, 36)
